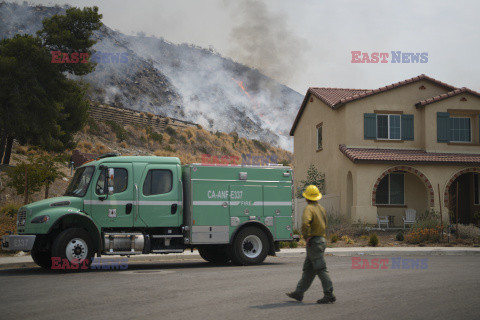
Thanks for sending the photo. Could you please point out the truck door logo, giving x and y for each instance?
(112, 213)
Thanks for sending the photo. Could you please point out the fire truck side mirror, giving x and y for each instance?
(111, 176)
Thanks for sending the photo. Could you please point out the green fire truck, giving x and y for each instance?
(129, 205)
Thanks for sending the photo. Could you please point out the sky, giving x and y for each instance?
(309, 43)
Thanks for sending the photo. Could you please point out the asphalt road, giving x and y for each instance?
(448, 288)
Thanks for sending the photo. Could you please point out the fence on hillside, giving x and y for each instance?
(132, 117)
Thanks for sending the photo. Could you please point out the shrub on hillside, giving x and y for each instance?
(100, 148)
(22, 150)
(7, 224)
(93, 127)
(85, 146)
(259, 145)
(183, 139)
(10, 209)
(171, 131)
(157, 137)
(119, 131)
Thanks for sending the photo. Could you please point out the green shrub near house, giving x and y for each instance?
(373, 241)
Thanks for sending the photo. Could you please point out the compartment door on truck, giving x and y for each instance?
(115, 210)
(278, 204)
(159, 197)
(246, 201)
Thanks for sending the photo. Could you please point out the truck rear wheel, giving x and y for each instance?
(249, 247)
(74, 245)
(214, 254)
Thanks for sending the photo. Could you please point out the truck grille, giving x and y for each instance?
(21, 218)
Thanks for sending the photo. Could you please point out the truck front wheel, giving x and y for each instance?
(249, 247)
(42, 258)
(74, 245)
(214, 254)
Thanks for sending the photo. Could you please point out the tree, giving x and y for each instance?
(71, 33)
(313, 177)
(49, 170)
(40, 171)
(30, 184)
(38, 103)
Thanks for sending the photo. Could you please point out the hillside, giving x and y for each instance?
(182, 81)
(191, 144)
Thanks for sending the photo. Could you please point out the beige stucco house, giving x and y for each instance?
(402, 146)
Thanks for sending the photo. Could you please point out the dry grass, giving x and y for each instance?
(7, 224)
(100, 148)
(85, 146)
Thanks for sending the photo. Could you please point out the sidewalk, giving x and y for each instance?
(24, 260)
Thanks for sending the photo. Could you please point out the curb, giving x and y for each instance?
(289, 253)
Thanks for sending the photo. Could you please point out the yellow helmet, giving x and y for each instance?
(312, 193)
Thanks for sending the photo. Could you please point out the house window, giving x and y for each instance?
(389, 126)
(391, 190)
(476, 183)
(460, 130)
(319, 137)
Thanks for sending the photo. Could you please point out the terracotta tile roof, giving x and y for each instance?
(337, 97)
(358, 155)
(392, 86)
(332, 96)
(446, 96)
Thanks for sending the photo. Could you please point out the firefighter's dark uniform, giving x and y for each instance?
(314, 223)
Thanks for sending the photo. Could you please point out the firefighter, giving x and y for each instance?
(314, 223)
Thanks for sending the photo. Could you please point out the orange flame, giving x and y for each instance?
(254, 103)
(240, 84)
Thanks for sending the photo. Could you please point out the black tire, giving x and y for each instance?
(214, 254)
(79, 245)
(42, 257)
(249, 247)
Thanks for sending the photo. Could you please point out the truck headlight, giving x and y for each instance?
(40, 219)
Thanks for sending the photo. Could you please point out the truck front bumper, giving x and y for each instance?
(17, 243)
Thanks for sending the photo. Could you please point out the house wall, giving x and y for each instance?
(305, 143)
(399, 99)
(453, 103)
(345, 126)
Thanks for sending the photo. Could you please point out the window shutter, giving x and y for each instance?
(443, 127)
(369, 126)
(407, 127)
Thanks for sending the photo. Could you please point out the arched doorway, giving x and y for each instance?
(349, 195)
(400, 188)
(467, 181)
